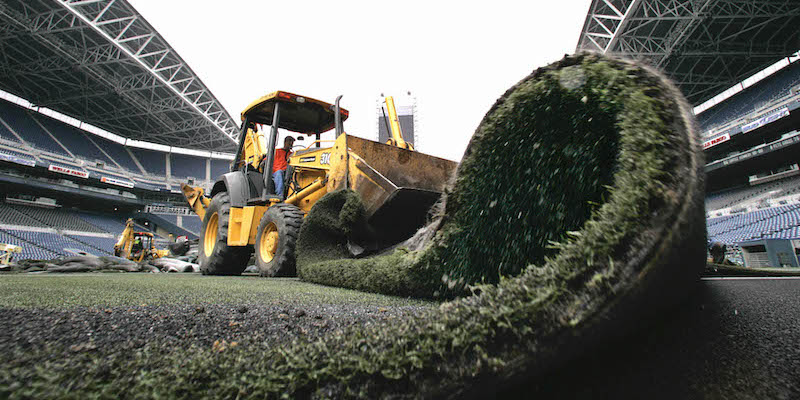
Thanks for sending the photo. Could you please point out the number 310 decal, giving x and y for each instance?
(325, 159)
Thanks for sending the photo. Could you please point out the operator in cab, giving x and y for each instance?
(280, 164)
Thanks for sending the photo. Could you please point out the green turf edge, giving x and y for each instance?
(508, 332)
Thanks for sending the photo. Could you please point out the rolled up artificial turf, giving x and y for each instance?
(544, 161)
(583, 185)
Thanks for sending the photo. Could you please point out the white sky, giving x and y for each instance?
(456, 57)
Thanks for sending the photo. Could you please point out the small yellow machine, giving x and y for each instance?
(7, 253)
(244, 214)
(137, 246)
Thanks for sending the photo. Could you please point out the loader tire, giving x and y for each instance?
(275, 240)
(216, 257)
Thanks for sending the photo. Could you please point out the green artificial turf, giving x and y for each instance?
(632, 246)
(99, 290)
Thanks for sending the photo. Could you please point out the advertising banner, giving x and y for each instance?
(782, 112)
(112, 181)
(68, 171)
(717, 140)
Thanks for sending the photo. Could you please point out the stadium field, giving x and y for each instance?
(119, 290)
(108, 334)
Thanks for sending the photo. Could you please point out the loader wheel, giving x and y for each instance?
(276, 238)
(216, 257)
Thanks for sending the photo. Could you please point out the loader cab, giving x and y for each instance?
(284, 110)
(144, 238)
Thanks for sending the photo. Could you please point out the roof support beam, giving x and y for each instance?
(734, 37)
(103, 23)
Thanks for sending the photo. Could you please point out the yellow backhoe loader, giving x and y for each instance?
(243, 214)
(137, 246)
(7, 253)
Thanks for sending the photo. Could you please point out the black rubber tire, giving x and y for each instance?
(224, 259)
(287, 219)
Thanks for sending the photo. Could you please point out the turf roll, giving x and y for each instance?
(544, 161)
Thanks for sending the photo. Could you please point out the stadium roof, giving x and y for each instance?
(99, 61)
(705, 46)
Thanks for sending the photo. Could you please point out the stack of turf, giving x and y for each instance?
(90, 263)
(87, 263)
(560, 155)
(600, 148)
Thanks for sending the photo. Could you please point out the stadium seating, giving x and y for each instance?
(29, 250)
(104, 245)
(734, 197)
(751, 99)
(17, 154)
(149, 185)
(5, 134)
(73, 139)
(31, 224)
(10, 216)
(34, 128)
(219, 167)
(116, 151)
(53, 242)
(105, 223)
(154, 162)
(192, 223)
(183, 166)
(55, 218)
(141, 228)
(772, 223)
(33, 134)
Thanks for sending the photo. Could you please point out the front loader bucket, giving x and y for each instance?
(397, 186)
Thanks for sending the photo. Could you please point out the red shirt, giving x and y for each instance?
(281, 160)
